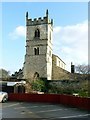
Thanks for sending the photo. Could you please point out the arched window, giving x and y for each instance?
(36, 51)
(37, 33)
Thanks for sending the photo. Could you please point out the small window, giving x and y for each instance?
(62, 65)
(36, 51)
(50, 52)
(59, 63)
(50, 36)
(37, 33)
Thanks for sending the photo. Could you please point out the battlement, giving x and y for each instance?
(38, 21)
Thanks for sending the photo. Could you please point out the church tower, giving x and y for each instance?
(38, 58)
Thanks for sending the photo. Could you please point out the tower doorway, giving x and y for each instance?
(36, 75)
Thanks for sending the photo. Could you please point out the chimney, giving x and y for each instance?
(72, 68)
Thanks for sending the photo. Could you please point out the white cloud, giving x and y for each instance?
(71, 43)
(19, 31)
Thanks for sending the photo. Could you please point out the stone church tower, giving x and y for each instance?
(38, 58)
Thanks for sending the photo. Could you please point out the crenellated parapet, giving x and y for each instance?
(38, 21)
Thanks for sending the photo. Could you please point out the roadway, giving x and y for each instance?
(41, 111)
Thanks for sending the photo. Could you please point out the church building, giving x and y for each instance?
(40, 62)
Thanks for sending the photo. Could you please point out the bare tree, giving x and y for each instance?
(4, 74)
(83, 69)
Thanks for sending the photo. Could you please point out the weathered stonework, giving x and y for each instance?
(38, 58)
(58, 69)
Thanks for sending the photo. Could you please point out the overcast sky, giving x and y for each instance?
(70, 31)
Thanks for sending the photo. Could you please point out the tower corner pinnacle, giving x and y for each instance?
(27, 15)
(47, 13)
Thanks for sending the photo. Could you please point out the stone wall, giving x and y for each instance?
(57, 72)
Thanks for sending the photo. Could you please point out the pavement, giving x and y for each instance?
(41, 111)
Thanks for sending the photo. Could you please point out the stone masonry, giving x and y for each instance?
(38, 58)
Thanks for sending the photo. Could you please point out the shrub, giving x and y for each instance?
(38, 85)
